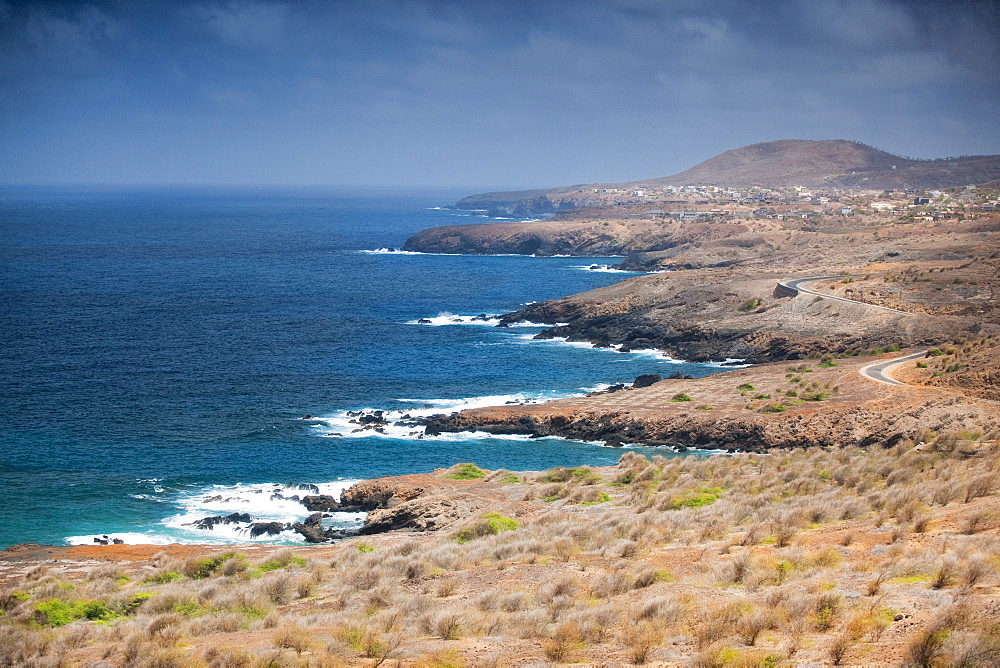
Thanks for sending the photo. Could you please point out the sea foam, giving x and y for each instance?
(263, 502)
(481, 320)
(404, 423)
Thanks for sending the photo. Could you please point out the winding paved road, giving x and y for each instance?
(878, 371)
(797, 283)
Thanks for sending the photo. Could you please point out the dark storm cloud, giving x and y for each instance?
(439, 92)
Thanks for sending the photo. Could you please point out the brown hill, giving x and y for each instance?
(833, 163)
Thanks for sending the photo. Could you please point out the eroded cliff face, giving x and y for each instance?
(519, 239)
(574, 236)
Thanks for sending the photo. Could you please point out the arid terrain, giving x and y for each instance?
(880, 556)
(848, 516)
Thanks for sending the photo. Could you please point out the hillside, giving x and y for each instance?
(831, 163)
(846, 556)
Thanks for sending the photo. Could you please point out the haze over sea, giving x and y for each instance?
(160, 347)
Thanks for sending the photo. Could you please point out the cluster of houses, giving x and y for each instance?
(691, 203)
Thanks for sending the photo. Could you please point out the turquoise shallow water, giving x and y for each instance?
(159, 348)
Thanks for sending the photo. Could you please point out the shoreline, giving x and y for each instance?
(593, 565)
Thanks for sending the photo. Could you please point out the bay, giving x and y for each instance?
(159, 347)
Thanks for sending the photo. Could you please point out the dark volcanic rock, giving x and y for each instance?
(269, 528)
(311, 529)
(321, 503)
(646, 379)
(207, 523)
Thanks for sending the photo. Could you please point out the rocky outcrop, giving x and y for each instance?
(646, 379)
(312, 530)
(209, 523)
(365, 496)
(266, 528)
(323, 503)
(429, 513)
(381, 493)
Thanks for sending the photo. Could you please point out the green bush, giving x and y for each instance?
(680, 396)
(283, 562)
(490, 524)
(703, 497)
(601, 498)
(746, 387)
(56, 612)
(203, 568)
(466, 471)
(162, 578)
(510, 479)
(136, 600)
(772, 408)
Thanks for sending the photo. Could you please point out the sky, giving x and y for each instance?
(506, 93)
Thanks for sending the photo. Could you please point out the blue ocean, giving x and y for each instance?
(160, 348)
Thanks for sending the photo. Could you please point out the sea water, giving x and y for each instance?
(159, 349)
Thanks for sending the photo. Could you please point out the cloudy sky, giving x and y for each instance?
(468, 92)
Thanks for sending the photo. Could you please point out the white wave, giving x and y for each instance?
(657, 355)
(730, 363)
(483, 320)
(128, 538)
(394, 251)
(148, 497)
(603, 268)
(398, 423)
(529, 323)
(264, 502)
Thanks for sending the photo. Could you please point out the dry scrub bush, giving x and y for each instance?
(565, 638)
(753, 622)
(711, 625)
(640, 639)
(225, 622)
(529, 624)
(293, 637)
(979, 486)
(229, 657)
